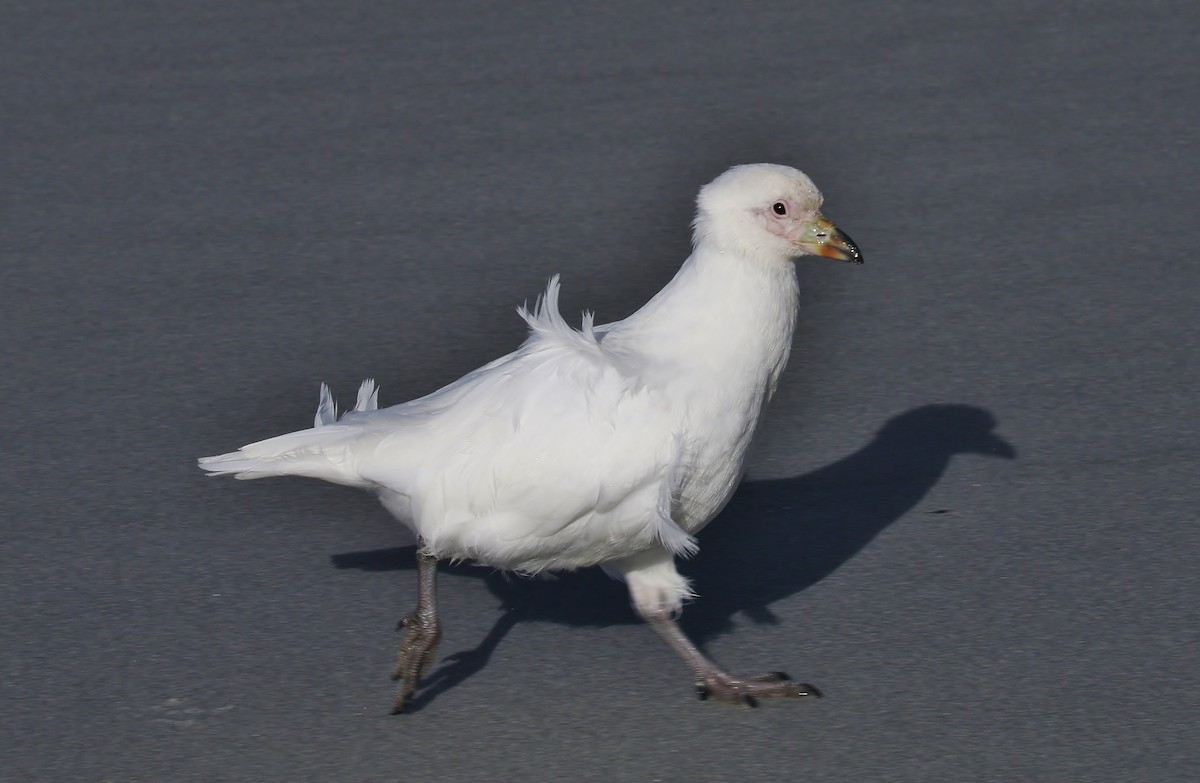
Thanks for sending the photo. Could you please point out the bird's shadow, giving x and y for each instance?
(774, 539)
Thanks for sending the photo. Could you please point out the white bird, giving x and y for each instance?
(611, 445)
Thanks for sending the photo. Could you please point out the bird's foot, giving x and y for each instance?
(414, 655)
(747, 691)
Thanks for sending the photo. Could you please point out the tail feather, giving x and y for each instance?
(326, 409)
(368, 396)
(323, 452)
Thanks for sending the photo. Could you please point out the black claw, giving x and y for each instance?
(749, 700)
(702, 692)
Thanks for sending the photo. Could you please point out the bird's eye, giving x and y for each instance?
(780, 208)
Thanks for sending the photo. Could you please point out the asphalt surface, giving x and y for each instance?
(971, 518)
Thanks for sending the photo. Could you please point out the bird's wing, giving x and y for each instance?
(559, 440)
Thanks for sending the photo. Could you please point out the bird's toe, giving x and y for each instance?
(747, 691)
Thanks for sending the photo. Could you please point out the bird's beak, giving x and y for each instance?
(822, 238)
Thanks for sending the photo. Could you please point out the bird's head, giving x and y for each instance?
(768, 211)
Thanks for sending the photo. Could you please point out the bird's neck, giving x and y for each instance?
(727, 319)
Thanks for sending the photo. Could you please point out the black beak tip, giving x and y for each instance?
(855, 253)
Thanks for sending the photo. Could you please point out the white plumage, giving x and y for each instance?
(610, 445)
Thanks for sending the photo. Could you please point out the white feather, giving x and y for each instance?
(326, 408)
(368, 396)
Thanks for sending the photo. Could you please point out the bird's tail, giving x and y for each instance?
(324, 452)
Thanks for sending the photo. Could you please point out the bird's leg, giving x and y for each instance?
(711, 680)
(422, 631)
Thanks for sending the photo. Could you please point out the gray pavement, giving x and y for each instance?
(972, 515)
